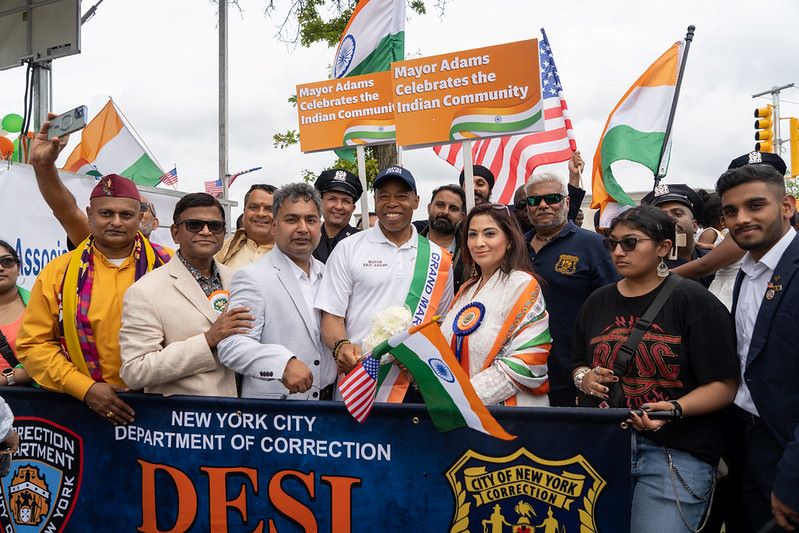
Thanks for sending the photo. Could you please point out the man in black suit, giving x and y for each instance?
(757, 212)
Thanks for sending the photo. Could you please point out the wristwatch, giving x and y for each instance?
(9, 374)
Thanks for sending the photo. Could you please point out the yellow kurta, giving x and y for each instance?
(38, 347)
(239, 251)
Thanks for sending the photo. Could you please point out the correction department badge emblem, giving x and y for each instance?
(42, 487)
(525, 492)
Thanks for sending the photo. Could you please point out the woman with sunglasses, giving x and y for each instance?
(13, 300)
(498, 326)
(685, 363)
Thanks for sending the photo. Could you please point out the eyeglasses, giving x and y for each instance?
(147, 206)
(196, 225)
(628, 244)
(7, 261)
(519, 206)
(550, 199)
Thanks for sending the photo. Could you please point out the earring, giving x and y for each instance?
(663, 269)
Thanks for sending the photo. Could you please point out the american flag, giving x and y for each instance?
(358, 388)
(213, 187)
(170, 178)
(235, 175)
(513, 158)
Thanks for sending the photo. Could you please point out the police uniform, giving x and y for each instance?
(338, 180)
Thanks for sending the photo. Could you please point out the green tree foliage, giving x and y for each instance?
(306, 22)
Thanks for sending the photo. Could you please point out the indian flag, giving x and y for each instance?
(447, 391)
(107, 146)
(635, 131)
(373, 38)
(369, 131)
(478, 121)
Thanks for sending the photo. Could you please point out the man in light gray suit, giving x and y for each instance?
(282, 355)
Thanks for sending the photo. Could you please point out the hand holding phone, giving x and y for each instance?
(69, 122)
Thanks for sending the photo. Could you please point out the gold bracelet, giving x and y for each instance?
(337, 347)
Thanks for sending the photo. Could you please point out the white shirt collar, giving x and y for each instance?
(770, 259)
(377, 235)
(299, 273)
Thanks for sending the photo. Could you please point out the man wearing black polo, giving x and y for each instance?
(340, 191)
(573, 263)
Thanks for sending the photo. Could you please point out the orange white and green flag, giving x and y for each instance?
(635, 131)
(107, 146)
(447, 391)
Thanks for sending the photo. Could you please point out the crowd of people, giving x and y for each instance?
(537, 310)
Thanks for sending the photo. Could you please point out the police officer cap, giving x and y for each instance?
(757, 158)
(341, 180)
(483, 172)
(395, 172)
(680, 193)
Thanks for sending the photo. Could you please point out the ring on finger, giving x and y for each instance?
(109, 414)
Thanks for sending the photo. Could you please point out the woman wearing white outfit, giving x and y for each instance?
(498, 326)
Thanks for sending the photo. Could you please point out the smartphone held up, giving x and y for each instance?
(69, 122)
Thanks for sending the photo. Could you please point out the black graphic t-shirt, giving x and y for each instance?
(690, 343)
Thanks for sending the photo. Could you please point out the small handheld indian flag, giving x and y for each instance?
(448, 394)
(636, 130)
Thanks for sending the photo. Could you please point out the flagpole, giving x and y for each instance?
(661, 172)
(360, 153)
(468, 174)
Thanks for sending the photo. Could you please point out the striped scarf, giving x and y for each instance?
(77, 336)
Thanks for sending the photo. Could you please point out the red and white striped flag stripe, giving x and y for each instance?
(213, 187)
(170, 178)
(358, 388)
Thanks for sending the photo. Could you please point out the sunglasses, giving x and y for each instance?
(195, 225)
(627, 244)
(7, 261)
(519, 206)
(550, 199)
(146, 206)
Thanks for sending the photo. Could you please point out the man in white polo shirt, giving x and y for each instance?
(385, 266)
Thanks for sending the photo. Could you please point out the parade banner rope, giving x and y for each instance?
(214, 464)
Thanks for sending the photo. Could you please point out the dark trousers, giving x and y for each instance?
(727, 508)
(761, 451)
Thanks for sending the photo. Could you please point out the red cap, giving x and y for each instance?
(115, 186)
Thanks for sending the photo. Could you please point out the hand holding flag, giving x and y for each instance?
(447, 391)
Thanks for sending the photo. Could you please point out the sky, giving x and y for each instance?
(158, 60)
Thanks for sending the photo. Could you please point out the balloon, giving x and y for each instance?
(6, 147)
(12, 123)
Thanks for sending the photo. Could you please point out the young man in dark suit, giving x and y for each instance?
(757, 212)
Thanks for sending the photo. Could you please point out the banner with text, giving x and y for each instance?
(485, 92)
(346, 112)
(33, 230)
(212, 464)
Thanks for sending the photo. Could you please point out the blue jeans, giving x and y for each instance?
(654, 508)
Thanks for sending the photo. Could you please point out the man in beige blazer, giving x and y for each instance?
(173, 321)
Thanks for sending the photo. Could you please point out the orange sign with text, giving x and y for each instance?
(485, 92)
(353, 111)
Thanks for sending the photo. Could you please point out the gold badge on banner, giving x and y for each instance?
(522, 493)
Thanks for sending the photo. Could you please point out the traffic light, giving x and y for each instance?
(763, 129)
(794, 126)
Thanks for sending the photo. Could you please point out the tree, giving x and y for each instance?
(303, 24)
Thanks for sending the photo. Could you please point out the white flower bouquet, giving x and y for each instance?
(385, 325)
